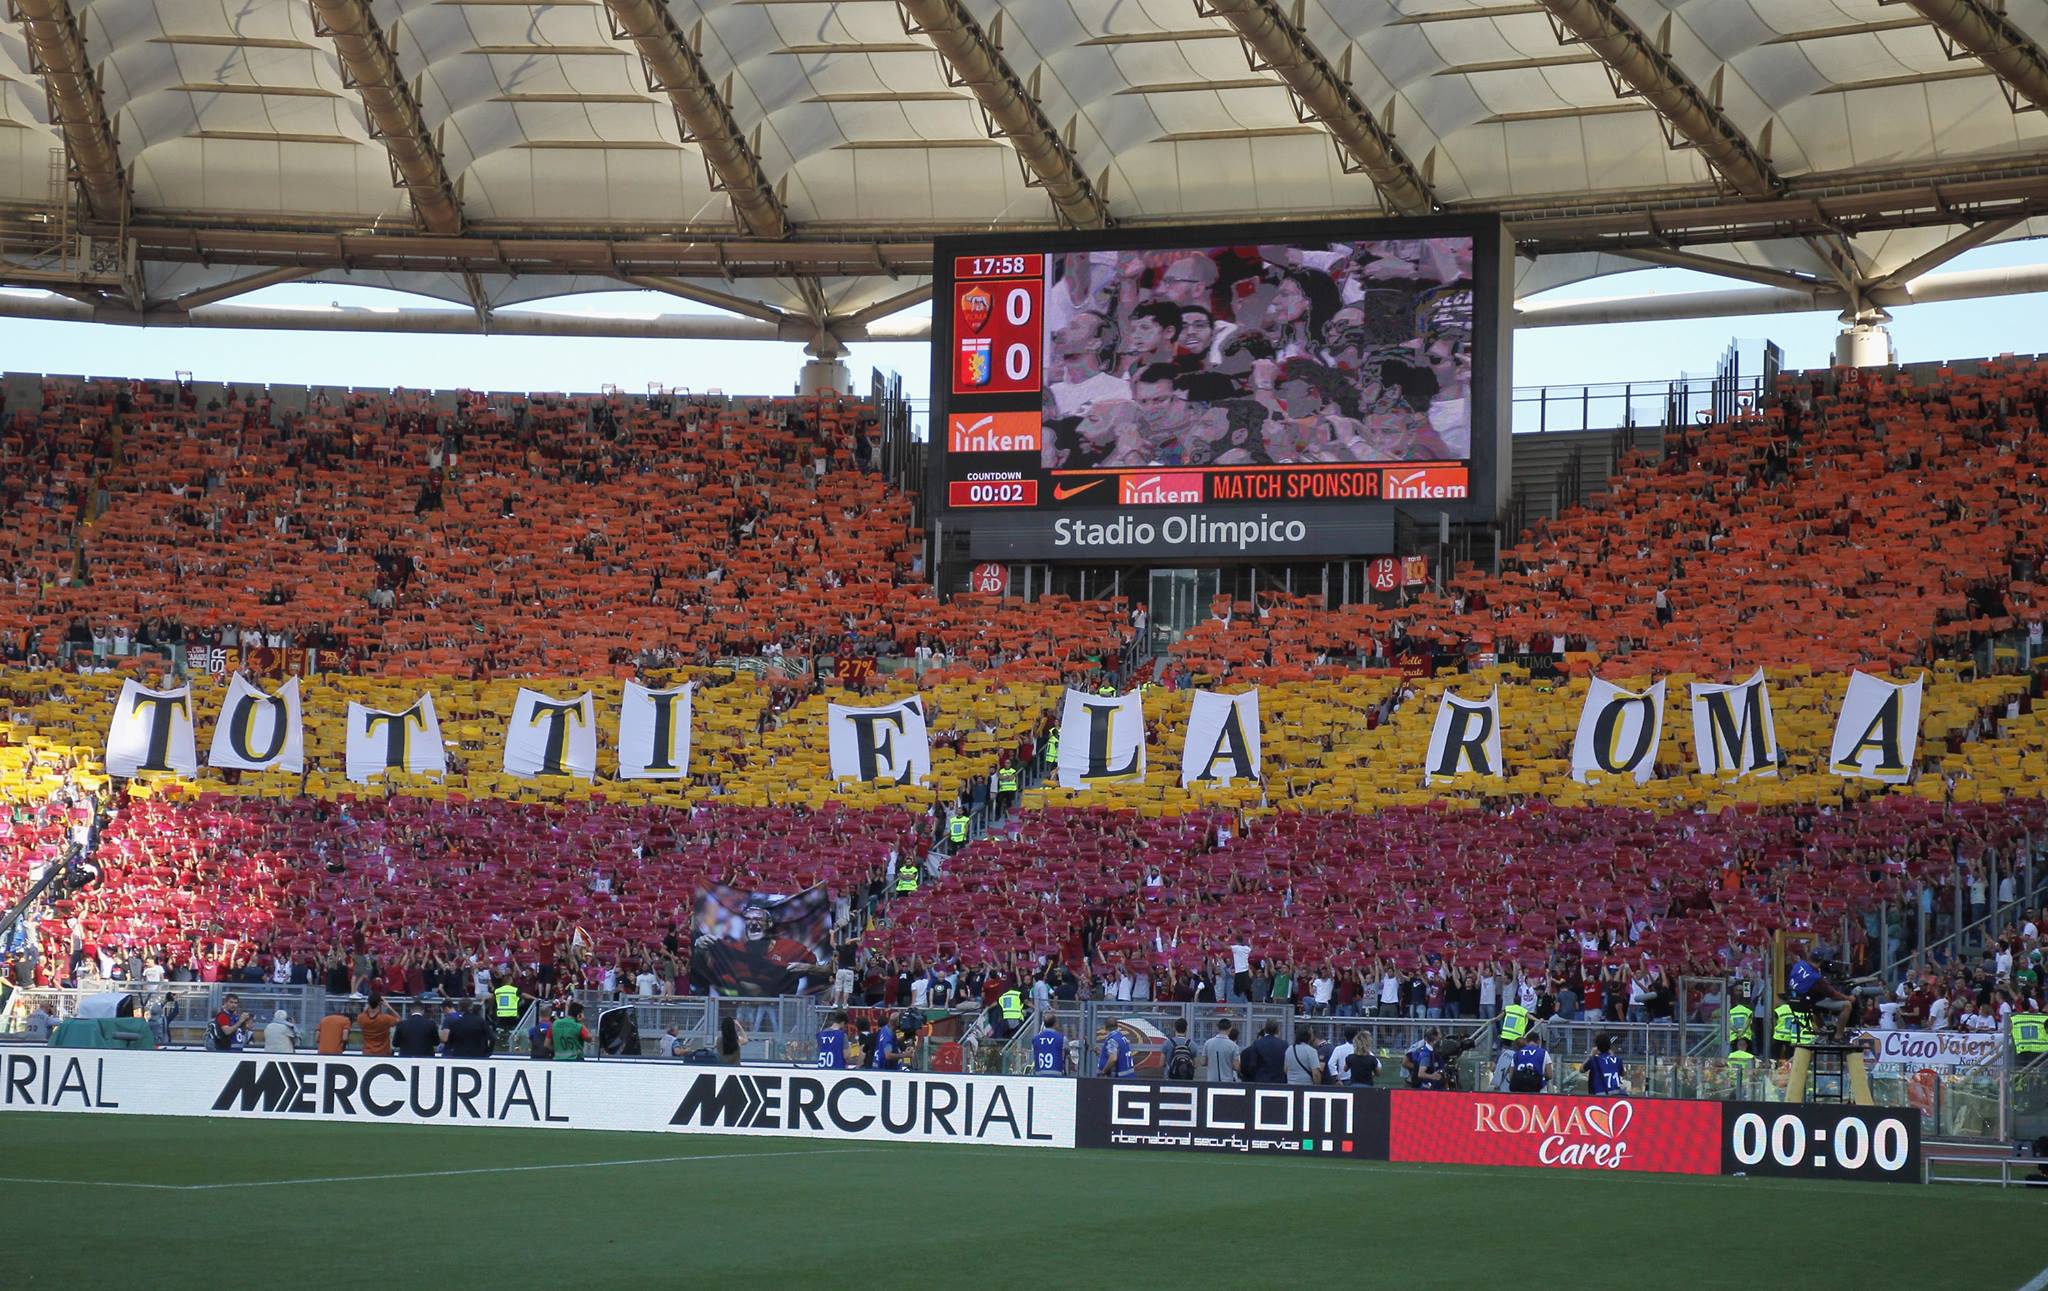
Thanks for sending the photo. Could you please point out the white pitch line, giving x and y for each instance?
(440, 1174)
(2037, 1282)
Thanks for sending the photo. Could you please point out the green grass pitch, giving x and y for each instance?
(158, 1202)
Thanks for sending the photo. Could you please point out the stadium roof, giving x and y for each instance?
(789, 160)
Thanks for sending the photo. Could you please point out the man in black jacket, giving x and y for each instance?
(1266, 1058)
(415, 1037)
(466, 1034)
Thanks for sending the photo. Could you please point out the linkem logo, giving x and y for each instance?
(993, 432)
(1426, 483)
(1171, 489)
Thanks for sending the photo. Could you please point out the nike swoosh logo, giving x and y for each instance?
(1060, 492)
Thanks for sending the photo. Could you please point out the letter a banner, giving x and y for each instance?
(408, 740)
(1878, 731)
(1618, 732)
(1102, 737)
(1732, 729)
(1465, 740)
(259, 732)
(151, 731)
(886, 744)
(1223, 739)
(654, 732)
(549, 736)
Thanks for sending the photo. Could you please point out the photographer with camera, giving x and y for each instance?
(1424, 1069)
(1531, 1069)
(1810, 987)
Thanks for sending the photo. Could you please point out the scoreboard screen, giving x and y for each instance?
(1264, 391)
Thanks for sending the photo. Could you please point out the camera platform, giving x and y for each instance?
(1825, 1072)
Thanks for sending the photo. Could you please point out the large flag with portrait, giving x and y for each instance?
(759, 944)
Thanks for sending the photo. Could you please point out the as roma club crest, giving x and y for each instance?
(975, 308)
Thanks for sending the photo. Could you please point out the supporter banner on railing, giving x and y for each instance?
(259, 732)
(654, 732)
(1102, 737)
(888, 743)
(551, 737)
(151, 731)
(1465, 742)
(1939, 1049)
(407, 740)
(1878, 731)
(654, 1097)
(1618, 732)
(1732, 729)
(1222, 740)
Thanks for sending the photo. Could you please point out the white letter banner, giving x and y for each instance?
(549, 736)
(654, 732)
(1732, 731)
(1878, 731)
(886, 743)
(408, 740)
(1465, 740)
(1223, 739)
(1618, 732)
(259, 732)
(151, 731)
(1102, 737)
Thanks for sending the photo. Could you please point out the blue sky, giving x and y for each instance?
(1641, 352)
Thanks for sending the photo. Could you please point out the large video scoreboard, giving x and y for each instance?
(1265, 391)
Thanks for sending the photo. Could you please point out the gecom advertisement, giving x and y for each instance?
(1311, 1120)
(652, 1097)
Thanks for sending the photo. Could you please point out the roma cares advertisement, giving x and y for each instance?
(1663, 1136)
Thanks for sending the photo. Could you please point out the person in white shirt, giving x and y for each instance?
(1240, 973)
(1390, 993)
(1321, 988)
(1937, 1014)
(279, 1035)
(1337, 1071)
(647, 983)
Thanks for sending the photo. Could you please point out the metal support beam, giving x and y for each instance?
(1972, 284)
(1645, 67)
(1949, 250)
(1327, 96)
(1014, 112)
(883, 308)
(675, 68)
(393, 111)
(1997, 42)
(453, 322)
(1726, 268)
(706, 296)
(57, 54)
(235, 287)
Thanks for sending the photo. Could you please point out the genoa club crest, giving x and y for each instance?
(975, 361)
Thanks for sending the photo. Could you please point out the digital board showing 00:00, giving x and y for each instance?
(1256, 367)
